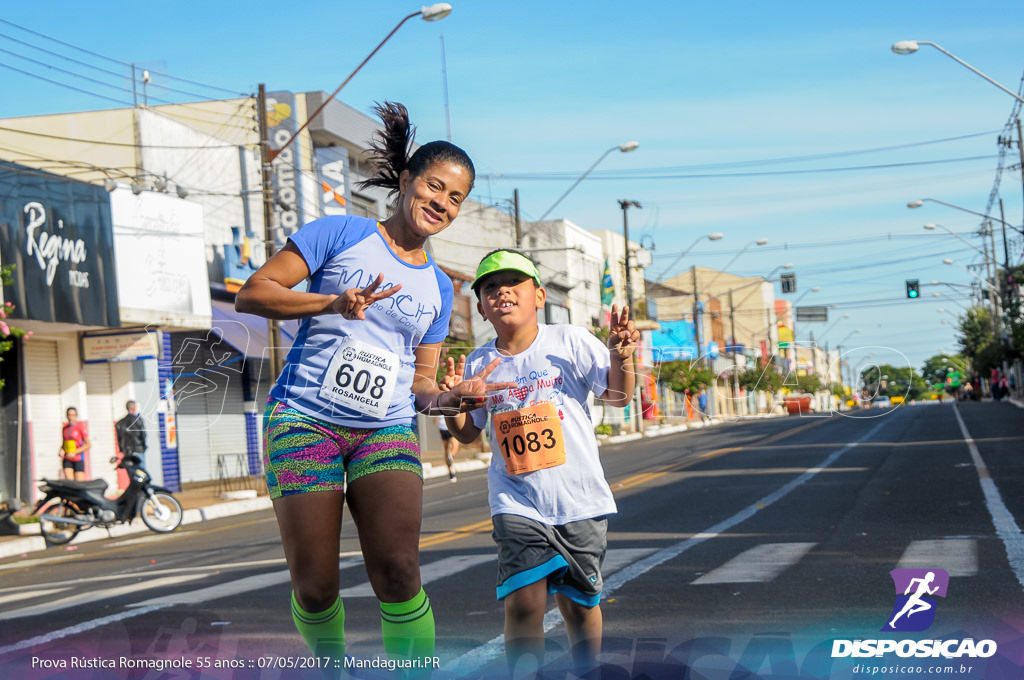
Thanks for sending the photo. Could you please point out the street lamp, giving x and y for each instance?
(624, 148)
(833, 325)
(850, 335)
(911, 46)
(432, 13)
(804, 294)
(933, 227)
(714, 236)
(758, 242)
(967, 269)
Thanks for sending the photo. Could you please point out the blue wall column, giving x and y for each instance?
(167, 417)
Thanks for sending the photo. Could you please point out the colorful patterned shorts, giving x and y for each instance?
(302, 454)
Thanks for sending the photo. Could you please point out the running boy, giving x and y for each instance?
(548, 495)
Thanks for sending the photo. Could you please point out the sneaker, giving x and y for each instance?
(452, 477)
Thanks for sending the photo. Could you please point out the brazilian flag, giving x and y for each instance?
(607, 285)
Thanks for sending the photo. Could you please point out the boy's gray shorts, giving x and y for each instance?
(569, 556)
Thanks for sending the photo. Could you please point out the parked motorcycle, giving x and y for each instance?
(72, 506)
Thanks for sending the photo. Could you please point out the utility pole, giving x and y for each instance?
(735, 362)
(519, 229)
(696, 315)
(267, 178)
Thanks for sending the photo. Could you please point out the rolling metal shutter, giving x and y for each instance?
(45, 410)
(210, 411)
(102, 416)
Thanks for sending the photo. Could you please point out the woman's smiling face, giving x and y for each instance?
(430, 201)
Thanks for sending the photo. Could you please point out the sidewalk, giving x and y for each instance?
(206, 502)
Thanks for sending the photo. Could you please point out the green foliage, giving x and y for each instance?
(680, 376)
(895, 381)
(7, 332)
(976, 334)
(603, 429)
(451, 348)
(809, 384)
(765, 379)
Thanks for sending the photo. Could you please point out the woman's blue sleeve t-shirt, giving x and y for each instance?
(344, 252)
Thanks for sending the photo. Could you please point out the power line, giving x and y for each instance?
(98, 142)
(116, 61)
(70, 87)
(622, 176)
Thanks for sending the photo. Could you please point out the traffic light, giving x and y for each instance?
(913, 291)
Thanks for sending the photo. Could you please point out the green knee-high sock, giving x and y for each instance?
(408, 627)
(323, 632)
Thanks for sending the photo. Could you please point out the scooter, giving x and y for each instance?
(72, 506)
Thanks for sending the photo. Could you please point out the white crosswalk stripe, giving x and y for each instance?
(958, 556)
(760, 564)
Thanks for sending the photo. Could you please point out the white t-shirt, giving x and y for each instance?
(345, 252)
(561, 366)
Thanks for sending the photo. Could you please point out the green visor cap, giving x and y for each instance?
(505, 260)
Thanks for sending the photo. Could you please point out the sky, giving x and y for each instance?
(791, 122)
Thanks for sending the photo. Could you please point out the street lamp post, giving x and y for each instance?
(431, 13)
(911, 46)
(624, 148)
(715, 236)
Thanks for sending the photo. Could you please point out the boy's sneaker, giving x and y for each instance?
(452, 477)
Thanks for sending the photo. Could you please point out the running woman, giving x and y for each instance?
(339, 425)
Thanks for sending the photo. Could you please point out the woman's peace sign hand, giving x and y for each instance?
(454, 374)
(355, 301)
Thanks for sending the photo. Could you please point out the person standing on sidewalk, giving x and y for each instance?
(131, 431)
(74, 445)
(339, 423)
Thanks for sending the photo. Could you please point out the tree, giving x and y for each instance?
(8, 333)
(808, 384)
(680, 376)
(978, 342)
(765, 379)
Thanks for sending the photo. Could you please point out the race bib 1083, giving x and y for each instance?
(530, 438)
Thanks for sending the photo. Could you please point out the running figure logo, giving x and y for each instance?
(914, 609)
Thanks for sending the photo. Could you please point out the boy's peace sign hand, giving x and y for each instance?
(471, 393)
(622, 336)
(353, 302)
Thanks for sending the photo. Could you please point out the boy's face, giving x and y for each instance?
(510, 299)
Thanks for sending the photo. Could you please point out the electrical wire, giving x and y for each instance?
(116, 61)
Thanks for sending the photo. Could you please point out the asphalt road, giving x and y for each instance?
(746, 548)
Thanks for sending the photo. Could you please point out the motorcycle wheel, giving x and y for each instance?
(58, 533)
(161, 512)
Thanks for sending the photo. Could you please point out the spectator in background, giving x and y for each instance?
(74, 445)
(131, 431)
(702, 404)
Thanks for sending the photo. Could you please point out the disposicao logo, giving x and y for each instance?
(914, 611)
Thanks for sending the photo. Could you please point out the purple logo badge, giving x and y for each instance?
(914, 609)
